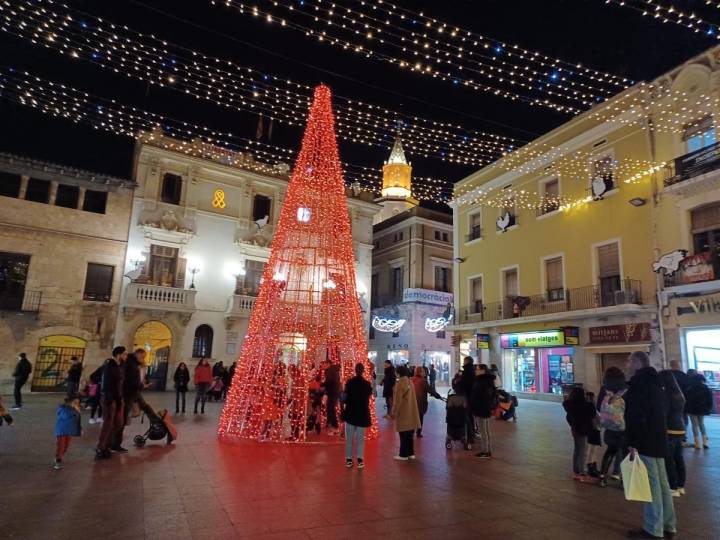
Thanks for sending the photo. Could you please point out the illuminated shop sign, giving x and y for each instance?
(483, 341)
(426, 296)
(385, 324)
(546, 338)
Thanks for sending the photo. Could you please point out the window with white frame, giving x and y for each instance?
(699, 135)
(550, 190)
(554, 279)
(474, 226)
(508, 215)
(442, 278)
(476, 295)
(603, 172)
(608, 267)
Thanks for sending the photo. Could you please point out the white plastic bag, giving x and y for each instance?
(635, 479)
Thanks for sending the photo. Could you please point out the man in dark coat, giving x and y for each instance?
(646, 432)
(356, 415)
(21, 375)
(132, 388)
(112, 402)
(683, 381)
(482, 401)
(463, 386)
(73, 376)
(388, 384)
(331, 385)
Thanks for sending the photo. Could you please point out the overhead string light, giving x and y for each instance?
(670, 14)
(220, 81)
(419, 46)
(69, 103)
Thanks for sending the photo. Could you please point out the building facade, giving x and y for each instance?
(411, 274)
(200, 232)
(63, 240)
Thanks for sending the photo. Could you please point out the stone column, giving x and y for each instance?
(81, 198)
(23, 186)
(53, 193)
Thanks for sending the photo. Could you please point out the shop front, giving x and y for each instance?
(540, 363)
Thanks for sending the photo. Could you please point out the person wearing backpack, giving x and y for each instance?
(698, 404)
(612, 419)
(483, 400)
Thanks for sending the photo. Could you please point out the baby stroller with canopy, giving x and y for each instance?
(161, 426)
(456, 420)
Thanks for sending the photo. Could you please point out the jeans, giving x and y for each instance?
(579, 452)
(332, 420)
(19, 383)
(388, 404)
(483, 427)
(201, 396)
(698, 427)
(406, 443)
(615, 451)
(113, 418)
(675, 462)
(658, 515)
(178, 395)
(357, 433)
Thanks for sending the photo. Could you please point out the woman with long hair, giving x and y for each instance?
(675, 407)
(181, 378)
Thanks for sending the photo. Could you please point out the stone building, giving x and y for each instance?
(63, 238)
(411, 273)
(202, 222)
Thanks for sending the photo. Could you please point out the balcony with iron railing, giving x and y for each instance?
(24, 301)
(554, 301)
(143, 296)
(474, 234)
(692, 165)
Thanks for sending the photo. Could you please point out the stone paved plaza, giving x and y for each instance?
(200, 489)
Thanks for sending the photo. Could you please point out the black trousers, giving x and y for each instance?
(19, 383)
(406, 443)
(332, 420)
(178, 395)
(675, 462)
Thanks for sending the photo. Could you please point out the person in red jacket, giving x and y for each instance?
(202, 379)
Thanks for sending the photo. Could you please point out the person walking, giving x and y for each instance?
(67, 425)
(94, 393)
(405, 413)
(646, 430)
(675, 407)
(181, 379)
(112, 402)
(422, 389)
(21, 374)
(332, 386)
(388, 384)
(579, 416)
(432, 376)
(132, 387)
(74, 373)
(483, 400)
(202, 378)
(462, 386)
(356, 415)
(683, 381)
(698, 404)
(611, 407)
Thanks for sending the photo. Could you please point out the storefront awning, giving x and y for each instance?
(619, 348)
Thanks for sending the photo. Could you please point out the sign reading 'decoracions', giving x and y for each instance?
(545, 338)
(426, 296)
(619, 333)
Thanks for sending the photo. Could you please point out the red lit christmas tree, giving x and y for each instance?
(307, 311)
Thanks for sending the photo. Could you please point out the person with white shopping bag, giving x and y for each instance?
(646, 431)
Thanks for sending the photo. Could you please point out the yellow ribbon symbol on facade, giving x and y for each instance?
(218, 199)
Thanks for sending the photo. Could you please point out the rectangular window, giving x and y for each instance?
(67, 196)
(476, 295)
(171, 188)
(98, 282)
(475, 226)
(95, 201)
(253, 274)
(609, 272)
(508, 215)
(163, 266)
(396, 281)
(13, 276)
(554, 279)
(9, 184)
(440, 334)
(444, 237)
(437, 235)
(604, 169)
(38, 191)
(551, 194)
(699, 135)
(442, 279)
(261, 207)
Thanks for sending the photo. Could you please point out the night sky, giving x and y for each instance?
(606, 37)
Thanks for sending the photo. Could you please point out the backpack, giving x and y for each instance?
(612, 412)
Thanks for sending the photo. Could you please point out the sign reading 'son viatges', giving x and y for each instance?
(545, 338)
(427, 296)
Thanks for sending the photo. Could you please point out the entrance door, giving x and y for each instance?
(53, 361)
(156, 338)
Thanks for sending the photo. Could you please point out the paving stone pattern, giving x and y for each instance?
(201, 489)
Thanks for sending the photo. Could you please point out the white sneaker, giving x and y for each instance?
(401, 458)
(15, 408)
(57, 465)
(681, 491)
(675, 492)
(91, 421)
(411, 457)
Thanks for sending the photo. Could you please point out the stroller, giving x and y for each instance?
(160, 426)
(456, 420)
(506, 406)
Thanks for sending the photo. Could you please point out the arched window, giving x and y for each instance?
(202, 344)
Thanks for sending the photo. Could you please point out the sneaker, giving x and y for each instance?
(15, 408)
(411, 457)
(483, 455)
(360, 463)
(102, 454)
(705, 443)
(681, 490)
(641, 533)
(615, 477)
(697, 446)
(91, 421)
(98, 420)
(120, 450)
(349, 463)
(675, 492)
(602, 483)
(57, 465)
(401, 458)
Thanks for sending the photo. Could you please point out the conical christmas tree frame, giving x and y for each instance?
(307, 310)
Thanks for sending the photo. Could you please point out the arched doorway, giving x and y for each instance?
(53, 361)
(156, 338)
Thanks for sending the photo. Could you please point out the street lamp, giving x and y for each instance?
(194, 270)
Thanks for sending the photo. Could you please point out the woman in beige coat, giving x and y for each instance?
(405, 413)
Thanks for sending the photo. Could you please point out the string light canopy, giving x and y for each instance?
(307, 311)
(438, 50)
(666, 13)
(158, 62)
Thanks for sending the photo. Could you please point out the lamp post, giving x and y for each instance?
(194, 270)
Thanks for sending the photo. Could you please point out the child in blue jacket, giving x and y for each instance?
(67, 425)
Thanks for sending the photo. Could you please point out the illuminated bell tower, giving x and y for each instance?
(397, 185)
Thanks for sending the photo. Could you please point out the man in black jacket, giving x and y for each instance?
(133, 385)
(332, 388)
(112, 402)
(21, 375)
(482, 403)
(74, 373)
(463, 386)
(646, 432)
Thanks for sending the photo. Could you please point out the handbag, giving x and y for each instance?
(635, 478)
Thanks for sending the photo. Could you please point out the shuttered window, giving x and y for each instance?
(706, 218)
(554, 273)
(608, 260)
(98, 282)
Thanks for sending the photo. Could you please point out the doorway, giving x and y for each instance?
(511, 289)
(156, 338)
(53, 360)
